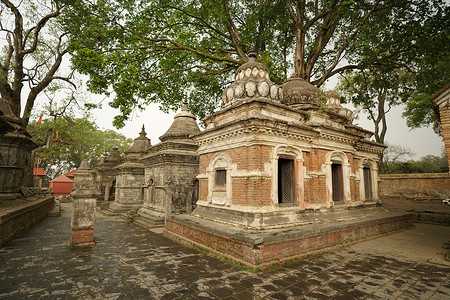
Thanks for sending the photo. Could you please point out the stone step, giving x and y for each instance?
(148, 221)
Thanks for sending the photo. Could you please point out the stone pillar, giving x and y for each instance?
(84, 203)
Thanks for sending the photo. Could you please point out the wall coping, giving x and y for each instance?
(24, 208)
(415, 176)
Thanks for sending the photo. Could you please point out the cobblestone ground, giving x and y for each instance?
(129, 262)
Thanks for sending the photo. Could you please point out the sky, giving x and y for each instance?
(422, 141)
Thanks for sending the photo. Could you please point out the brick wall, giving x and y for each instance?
(444, 112)
(426, 184)
(246, 191)
(264, 253)
(14, 222)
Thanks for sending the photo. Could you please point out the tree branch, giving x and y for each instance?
(346, 43)
(36, 29)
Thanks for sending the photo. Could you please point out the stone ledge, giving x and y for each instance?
(286, 217)
(430, 217)
(260, 249)
(16, 221)
(415, 176)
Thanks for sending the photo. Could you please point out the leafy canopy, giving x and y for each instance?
(164, 51)
(66, 141)
(32, 53)
(403, 58)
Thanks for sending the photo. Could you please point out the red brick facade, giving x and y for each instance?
(415, 185)
(445, 124)
(82, 236)
(256, 191)
(264, 254)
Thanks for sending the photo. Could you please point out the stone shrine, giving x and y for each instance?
(129, 188)
(171, 168)
(106, 175)
(273, 152)
(16, 146)
(84, 204)
(441, 105)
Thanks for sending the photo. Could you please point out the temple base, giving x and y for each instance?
(258, 249)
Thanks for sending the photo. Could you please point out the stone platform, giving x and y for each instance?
(258, 249)
(147, 219)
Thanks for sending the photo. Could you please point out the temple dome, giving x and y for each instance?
(298, 91)
(252, 80)
(141, 144)
(183, 126)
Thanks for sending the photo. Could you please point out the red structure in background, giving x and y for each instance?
(70, 174)
(38, 175)
(63, 185)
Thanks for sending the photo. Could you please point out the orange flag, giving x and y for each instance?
(39, 122)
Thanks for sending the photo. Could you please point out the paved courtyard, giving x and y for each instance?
(129, 262)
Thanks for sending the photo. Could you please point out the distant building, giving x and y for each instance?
(38, 175)
(63, 185)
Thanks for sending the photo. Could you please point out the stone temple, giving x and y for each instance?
(273, 153)
(277, 173)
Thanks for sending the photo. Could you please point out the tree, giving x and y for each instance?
(412, 51)
(375, 92)
(164, 51)
(66, 141)
(434, 66)
(33, 55)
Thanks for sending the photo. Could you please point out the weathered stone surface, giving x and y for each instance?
(298, 91)
(441, 105)
(170, 172)
(16, 168)
(84, 205)
(146, 265)
(252, 80)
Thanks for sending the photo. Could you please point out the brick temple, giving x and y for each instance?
(283, 172)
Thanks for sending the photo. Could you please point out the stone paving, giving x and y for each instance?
(129, 262)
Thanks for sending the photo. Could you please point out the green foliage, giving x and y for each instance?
(66, 141)
(165, 51)
(396, 162)
(403, 57)
(433, 64)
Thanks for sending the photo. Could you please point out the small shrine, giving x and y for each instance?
(16, 160)
(106, 175)
(273, 152)
(171, 168)
(129, 188)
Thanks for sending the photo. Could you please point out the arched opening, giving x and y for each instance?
(286, 181)
(287, 184)
(337, 181)
(367, 178)
(338, 177)
(112, 191)
(219, 180)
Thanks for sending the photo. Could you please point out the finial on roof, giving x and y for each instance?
(143, 131)
(252, 56)
(142, 134)
(84, 165)
(185, 105)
